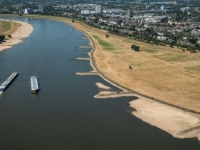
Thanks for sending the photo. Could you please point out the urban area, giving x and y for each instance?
(166, 23)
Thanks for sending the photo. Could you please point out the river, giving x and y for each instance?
(64, 115)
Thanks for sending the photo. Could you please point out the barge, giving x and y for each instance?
(8, 81)
(34, 84)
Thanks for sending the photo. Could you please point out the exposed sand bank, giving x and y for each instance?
(100, 85)
(87, 73)
(83, 58)
(175, 121)
(23, 31)
(85, 46)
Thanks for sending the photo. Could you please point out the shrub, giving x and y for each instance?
(2, 38)
(135, 47)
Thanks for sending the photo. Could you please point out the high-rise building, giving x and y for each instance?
(40, 8)
(130, 13)
(162, 7)
(98, 9)
(28, 11)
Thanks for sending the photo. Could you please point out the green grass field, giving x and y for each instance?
(105, 45)
(4, 26)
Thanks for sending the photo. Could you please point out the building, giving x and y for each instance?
(98, 9)
(162, 7)
(197, 9)
(28, 11)
(85, 12)
(187, 9)
(40, 8)
(130, 13)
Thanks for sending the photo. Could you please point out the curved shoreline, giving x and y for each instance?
(95, 69)
(92, 61)
(22, 32)
(176, 130)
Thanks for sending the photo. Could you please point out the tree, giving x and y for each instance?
(107, 35)
(135, 47)
(2, 38)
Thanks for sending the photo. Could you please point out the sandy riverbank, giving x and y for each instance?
(175, 121)
(23, 31)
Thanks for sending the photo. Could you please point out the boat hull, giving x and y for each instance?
(8, 81)
(34, 84)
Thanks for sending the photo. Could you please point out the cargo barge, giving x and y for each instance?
(34, 84)
(8, 81)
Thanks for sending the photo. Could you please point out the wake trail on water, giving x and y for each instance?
(37, 70)
(1, 93)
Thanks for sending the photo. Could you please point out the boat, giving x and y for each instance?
(8, 81)
(34, 84)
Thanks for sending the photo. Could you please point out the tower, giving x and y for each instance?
(98, 9)
(41, 8)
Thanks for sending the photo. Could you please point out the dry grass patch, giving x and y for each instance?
(128, 40)
(150, 50)
(176, 57)
(194, 68)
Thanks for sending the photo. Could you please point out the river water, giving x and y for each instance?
(64, 115)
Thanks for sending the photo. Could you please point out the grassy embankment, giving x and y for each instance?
(105, 45)
(163, 73)
(8, 27)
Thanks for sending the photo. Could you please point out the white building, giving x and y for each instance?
(28, 11)
(41, 8)
(162, 7)
(85, 12)
(187, 9)
(98, 9)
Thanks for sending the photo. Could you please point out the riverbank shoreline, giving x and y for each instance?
(152, 114)
(97, 54)
(20, 34)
